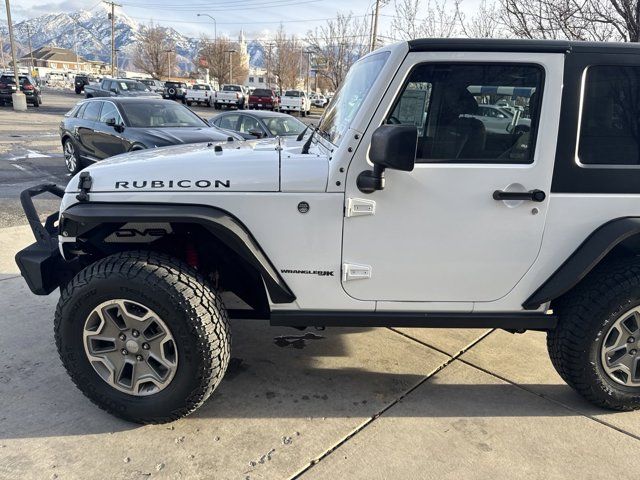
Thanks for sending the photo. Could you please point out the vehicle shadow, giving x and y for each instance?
(342, 372)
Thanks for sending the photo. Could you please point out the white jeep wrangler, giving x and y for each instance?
(401, 209)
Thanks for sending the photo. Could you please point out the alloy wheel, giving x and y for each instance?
(620, 351)
(70, 156)
(130, 347)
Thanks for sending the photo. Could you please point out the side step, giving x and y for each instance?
(507, 321)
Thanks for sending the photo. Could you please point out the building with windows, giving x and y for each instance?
(56, 58)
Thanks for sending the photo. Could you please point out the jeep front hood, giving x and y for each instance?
(237, 166)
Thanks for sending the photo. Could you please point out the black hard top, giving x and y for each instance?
(518, 45)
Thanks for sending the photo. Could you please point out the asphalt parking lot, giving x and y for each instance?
(369, 403)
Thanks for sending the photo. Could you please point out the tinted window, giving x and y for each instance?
(109, 110)
(230, 122)
(610, 126)
(92, 111)
(201, 87)
(472, 113)
(80, 110)
(248, 123)
(284, 125)
(293, 93)
(262, 92)
(159, 114)
(231, 88)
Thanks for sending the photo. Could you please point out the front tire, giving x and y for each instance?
(596, 346)
(111, 309)
(71, 158)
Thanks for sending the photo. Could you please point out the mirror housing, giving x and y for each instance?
(256, 133)
(111, 122)
(392, 146)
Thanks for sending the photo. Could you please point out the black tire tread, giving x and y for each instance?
(204, 308)
(581, 313)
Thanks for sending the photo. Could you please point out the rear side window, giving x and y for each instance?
(92, 111)
(610, 119)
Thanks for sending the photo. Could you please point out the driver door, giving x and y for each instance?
(436, 234)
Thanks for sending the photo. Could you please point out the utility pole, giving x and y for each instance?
(308, 52)
(375, 26)
(270, 45)
(169, 52)
(112, 17)
(30, 50)
(18, 98)
(231, 52)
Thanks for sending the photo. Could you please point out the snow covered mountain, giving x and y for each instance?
(90, 32)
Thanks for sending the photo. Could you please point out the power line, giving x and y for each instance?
(222, 8)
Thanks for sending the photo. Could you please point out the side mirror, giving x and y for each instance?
(392, 146)
(111, 122)
(255, 133)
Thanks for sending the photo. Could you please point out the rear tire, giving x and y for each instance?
(174, 305)
(584, 348)
(188, 103)
(71, 158)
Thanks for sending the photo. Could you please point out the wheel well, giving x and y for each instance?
(189, 242)
(616, 239)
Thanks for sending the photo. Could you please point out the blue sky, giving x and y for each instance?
(256, 17)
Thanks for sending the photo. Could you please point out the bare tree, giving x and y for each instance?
(285, 60)
(215, 55)
(425, 19)
(155, 52)
(483, 23)
(337, 45)
(596, 20)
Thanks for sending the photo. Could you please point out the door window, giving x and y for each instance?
(247, 124)
(230, 122)
(109, 110)
(472, 113)
(92, 111)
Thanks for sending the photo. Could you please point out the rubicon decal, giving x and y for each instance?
(166, 184)
(320, 273)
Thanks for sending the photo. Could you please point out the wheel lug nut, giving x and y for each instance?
(139, 358)
(124, 351)
(135, 333)
(122, 337)
(631, 340)
(145, 346)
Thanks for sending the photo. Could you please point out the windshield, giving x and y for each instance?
(160, 114)
(293, 93)
(283, 126)
(231, 88)
(261, 92)
(135, 86)
(347, 101)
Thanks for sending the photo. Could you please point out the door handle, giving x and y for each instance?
(531, 195)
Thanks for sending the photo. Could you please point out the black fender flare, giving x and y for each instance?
(224, 226)
(589, 254)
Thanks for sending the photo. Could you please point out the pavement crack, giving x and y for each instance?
(550, 399)
(393, 403)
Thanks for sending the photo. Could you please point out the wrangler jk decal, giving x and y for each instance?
(320, 273)
(126, 184)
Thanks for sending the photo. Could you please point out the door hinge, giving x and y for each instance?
(352, 271)
(357, 207)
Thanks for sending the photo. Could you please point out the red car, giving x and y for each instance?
(264, 98)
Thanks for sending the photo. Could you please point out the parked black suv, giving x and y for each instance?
(28, 85)
(81, 80)
(175, 91)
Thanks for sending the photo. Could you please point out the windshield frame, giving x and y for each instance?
(335, 136)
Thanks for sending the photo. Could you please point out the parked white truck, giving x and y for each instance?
(200, 93)
(295, 101)
(400, 209)
(231, 96)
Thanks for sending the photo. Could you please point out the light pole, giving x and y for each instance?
(18, 98)
(308, 52)
(230, 52)
(270, 45)
(169, 60)
(215, 26)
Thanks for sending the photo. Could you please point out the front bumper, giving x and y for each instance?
(41, 263)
